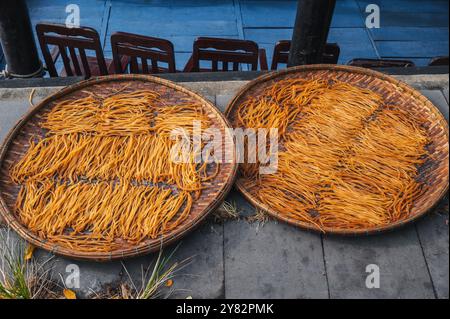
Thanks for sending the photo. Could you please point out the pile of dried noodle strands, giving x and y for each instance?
(347, 160)
(106, 211)
(103, 175)
(121, 114)
(129, 158)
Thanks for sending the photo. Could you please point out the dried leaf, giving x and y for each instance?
(126, 294)
(29, 252)
(69, 294)
(169, 283)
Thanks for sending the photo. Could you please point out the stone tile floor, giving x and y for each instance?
(409, 29)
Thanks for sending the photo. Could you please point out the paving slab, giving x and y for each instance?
(434, 238)
(409, 34)
(268, 13)
(14, 103)
(92, 14)
(439, 100)
(202, 277)
(180, 22)
(272, 261)
(346, 14)
(93, 278)
(215, 88)
(281, 14)
(210, 98)
(91, 11)
(425, 81)
(445, 92)
(414, 19)
(406, 6)
(222, 101)
(398, 255)
(412, 49)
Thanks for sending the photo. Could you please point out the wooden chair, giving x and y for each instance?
(381, 63)
(439, 61)
(281, 53)
(225, 51)
(139, 50)
(66, 42)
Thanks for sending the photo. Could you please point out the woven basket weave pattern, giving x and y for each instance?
(434, 174)
(17, 144)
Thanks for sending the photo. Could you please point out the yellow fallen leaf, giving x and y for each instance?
(189, 297)
(169, 283)
(69, 294)
(29, 252)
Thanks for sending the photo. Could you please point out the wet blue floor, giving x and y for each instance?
(411, 29)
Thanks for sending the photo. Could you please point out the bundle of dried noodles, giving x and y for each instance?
(347, 160)
(104, 176)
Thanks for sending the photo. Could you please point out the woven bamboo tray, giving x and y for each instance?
(395, 93)
(17, 142)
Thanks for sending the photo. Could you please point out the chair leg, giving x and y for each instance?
(124, 61)
(189, 65)
(263, 60)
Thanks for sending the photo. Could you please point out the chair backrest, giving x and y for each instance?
(381, 63)
(224, 51)
(68, 41)
(281, 53)
(439, 61)
(140, 50)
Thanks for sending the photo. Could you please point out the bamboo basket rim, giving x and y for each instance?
(351, 69)
(140, 249)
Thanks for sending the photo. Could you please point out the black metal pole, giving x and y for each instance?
(16, 37)
(310, 34)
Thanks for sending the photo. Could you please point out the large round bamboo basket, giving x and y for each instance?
(395, 93)
(17, 142)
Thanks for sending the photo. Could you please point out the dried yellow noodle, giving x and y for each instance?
(103, 174)
(347, 160)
